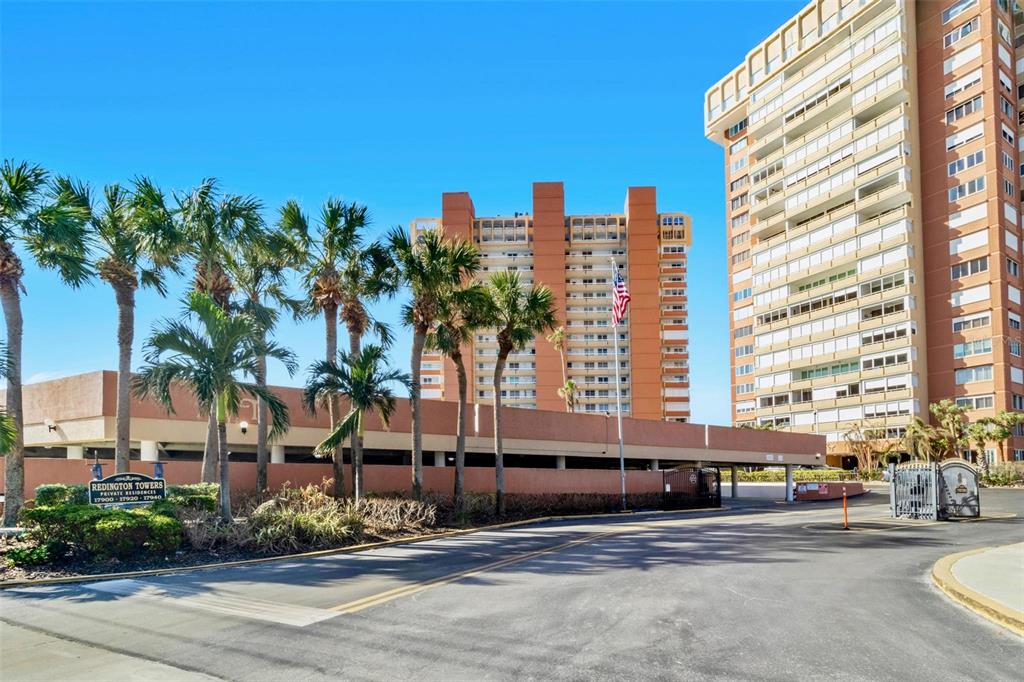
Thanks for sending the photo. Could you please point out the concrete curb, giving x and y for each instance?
(942, 576)
(351, 549)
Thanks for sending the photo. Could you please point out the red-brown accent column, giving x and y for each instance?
(642, 278)
(549, 269)
(457, 215)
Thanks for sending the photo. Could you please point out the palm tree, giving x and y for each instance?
(519, 315)
(1003, 426)
(212, 224)
(209, 360)
(135, 242)
(367, 275)
(462, 310)
(920, 440)
(953, 422)
(8, 434)
(429, 267)
(50, 225)
(363, 379)
(979, 434)
(568, 389)
(259, 271)
(333, 260)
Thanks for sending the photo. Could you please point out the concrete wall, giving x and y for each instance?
(379, 478)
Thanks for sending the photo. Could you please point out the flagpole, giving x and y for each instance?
(618, 398)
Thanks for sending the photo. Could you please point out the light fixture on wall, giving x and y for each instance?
(51, 425)
(244, 425)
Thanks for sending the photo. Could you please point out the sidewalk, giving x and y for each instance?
(989, 581)
(32, 655)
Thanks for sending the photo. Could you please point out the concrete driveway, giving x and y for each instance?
(766, 591)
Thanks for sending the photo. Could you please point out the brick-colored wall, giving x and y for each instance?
(379, 477)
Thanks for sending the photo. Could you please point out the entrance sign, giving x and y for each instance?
(121, 489)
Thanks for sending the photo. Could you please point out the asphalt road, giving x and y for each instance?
(763, 592)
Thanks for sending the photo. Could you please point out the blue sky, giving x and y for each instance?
(388, 104)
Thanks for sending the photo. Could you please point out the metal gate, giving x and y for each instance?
(927, 490)
(692, 488)
(913, 494)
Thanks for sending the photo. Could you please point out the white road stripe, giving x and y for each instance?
(216, 602)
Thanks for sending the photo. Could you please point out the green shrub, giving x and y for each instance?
(200, 496)
(303, 519)
(1004, 473)
(51, 494)
(102, 533)
(29, 556)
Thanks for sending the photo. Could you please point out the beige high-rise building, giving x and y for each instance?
(873, 216)
(571, 255)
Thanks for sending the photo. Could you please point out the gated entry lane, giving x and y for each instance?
(749, 595)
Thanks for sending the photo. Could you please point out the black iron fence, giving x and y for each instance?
(692, 488)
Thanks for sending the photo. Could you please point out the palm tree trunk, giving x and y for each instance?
(419, 338)
(331, 337)
(262, 427)
(14, 461)
(355, 347)
(125, 296)
(210, 451)
(222, 449)
(460, 433)
(499, 462)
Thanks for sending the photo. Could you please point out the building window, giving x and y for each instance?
(1006, 107)
(971, 322)
(738, 183)
(966, 375)
(1008, 161)
(1008, 188)
(744, 388)
(742, 294)
(967, 189)
(736, 129)
(1015, 348)
(744, 370)
(956, 9)
(971, 267)
(743, 331)
(744, 350)
(968, 161)
(1012, 267)
(966, 109)
(1017, 401)
(961, 32)
(976, 402)
(979, 347)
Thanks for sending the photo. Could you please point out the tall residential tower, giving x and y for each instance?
(570, 254)
(873, 215)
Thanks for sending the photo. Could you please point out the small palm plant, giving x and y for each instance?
(209, 360)
(567, 391)
(362, 378)
(519, 315)
(921, 440)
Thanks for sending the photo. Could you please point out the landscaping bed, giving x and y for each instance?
(66, 537)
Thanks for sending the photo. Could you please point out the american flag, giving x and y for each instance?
(620, 297)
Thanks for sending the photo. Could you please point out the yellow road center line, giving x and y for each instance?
(414, 588)
(407, 590)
